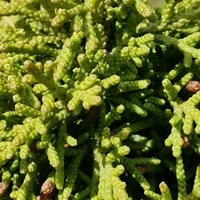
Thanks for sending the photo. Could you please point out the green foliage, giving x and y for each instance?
(94, 100)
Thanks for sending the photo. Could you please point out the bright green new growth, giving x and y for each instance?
(94, 100)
